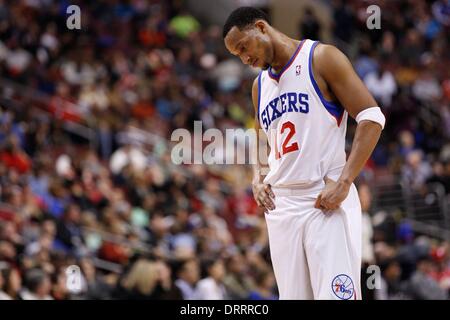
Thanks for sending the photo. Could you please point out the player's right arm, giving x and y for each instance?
(262, 192)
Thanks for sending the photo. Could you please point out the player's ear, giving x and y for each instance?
(261, 25)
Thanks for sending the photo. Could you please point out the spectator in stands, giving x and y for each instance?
(95, 286)
(426, 87)
(366, 62)
(390, 286)
(368, 255)
(12, 283)
(167, 290)
(265, 282)
(3, 294)
(211, 286)
(8, 252)
(141, 281)
(148, 280)
(68, 229)
(237, 281)
(343, 20)
(441, 274)
(187, 277)
(441, 175)
(59, 290)
(365, 196)
(381, 83)
(37, 286)
(309, 25)
(422, 286)
(416, 170)
(14, 157)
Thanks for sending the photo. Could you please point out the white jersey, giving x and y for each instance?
(306, 132)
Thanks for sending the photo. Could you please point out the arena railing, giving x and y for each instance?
(11, 91)
(425, 209)
(133, 135)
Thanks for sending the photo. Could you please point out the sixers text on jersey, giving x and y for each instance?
(290, 102)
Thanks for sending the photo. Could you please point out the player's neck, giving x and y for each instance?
(284, 49)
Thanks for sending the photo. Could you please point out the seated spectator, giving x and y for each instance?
(390, 287)
(37, 286)
(188, 275)
(3, 294)
(148, 280)
(422, 286)
(12, 283)
(68, 229)
(237, 281)
(426, 87)
(14, 157)
(381, 83)
(95, 286)
(59, 290)
(416, 170)
(211, 286)
(309, 26)
(265, 283)
(140, 282)
(442, 272)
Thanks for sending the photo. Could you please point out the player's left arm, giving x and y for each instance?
(338, 75)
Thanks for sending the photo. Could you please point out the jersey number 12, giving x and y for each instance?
(285, 146)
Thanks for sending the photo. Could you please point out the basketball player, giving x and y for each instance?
(302, 98)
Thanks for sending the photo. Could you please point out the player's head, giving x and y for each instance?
(247, 34)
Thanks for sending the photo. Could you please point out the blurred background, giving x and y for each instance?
(86, 177)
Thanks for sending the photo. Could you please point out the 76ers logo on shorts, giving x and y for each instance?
(342, 287)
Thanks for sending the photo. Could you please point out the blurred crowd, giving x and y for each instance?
(404, 65)
(140, 227)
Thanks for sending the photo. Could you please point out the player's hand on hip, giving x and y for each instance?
(263, 195)
(332, 195)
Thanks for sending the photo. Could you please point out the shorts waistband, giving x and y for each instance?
(299, 190)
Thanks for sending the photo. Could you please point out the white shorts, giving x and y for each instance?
(315, 255)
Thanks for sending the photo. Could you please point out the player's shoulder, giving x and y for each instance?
(323, 52)
(328, 57)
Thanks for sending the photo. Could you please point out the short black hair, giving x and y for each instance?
(243, 17)
(207, 264)
(34, 278)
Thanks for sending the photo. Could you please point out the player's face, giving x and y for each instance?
(251, 45)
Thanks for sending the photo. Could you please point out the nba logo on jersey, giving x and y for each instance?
(298, 70)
